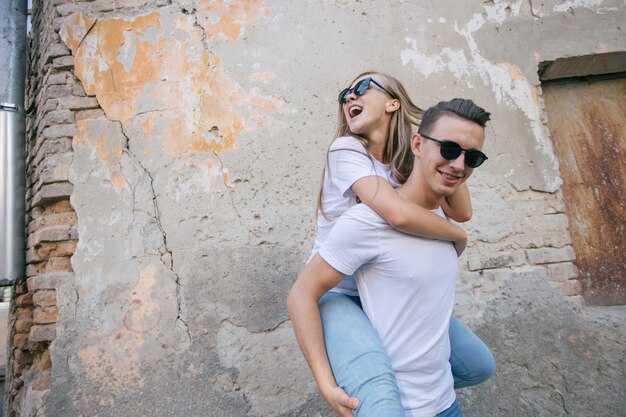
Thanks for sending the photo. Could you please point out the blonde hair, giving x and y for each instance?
(397, 151)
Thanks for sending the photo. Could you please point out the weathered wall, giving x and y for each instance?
(197, 133)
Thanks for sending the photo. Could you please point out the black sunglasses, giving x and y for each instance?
(452, 150)
(360, 88)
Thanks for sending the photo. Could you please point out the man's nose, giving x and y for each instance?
(458, 163)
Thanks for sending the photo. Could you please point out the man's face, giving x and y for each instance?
(440, 175)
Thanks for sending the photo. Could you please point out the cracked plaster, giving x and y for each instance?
(191, 226)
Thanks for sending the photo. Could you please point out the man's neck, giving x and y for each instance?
(415, 190)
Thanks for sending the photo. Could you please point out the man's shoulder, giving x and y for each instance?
(364, 214)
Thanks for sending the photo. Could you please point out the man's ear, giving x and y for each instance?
(392, 105)
(416, 144)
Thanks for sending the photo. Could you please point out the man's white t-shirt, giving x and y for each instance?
(406, 284)
(348, 161)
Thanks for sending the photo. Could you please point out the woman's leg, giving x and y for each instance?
(358, 359)
(471, 360)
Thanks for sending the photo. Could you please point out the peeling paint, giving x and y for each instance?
(507, 81)
(588, 4)
(169, 80)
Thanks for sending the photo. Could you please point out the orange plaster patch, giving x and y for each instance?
(186, 102)
(262, 76)
(118, 180)
(229, 19)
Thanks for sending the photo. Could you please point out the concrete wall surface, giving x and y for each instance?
(195, 187)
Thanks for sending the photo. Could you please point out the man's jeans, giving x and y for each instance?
(362, 367)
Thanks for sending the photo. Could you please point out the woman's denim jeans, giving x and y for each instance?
(361, 365)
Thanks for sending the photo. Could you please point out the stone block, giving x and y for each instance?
(21, 341)
(78, 103)
(45, 298)
(89, 114)
(24, 300)
(59, 131)
(550, 255)
(497, 260)
(571, 287)
(57, 117)
(60, 78)
(63, 63)
(24, 313)
(57, 249)
(562, 271)
(52, 192)
(54, 51)
(45, 315)
(43, 333)
(23, 325)
(53, 234)
(45, 362)
(52, 280)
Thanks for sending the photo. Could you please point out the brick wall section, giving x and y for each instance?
(540, 241)
(54, 101)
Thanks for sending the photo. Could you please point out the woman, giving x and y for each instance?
(371, 155)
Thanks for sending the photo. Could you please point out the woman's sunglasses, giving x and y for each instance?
(452, 150)
(360, 88)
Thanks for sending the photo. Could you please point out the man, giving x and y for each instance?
(406, 283)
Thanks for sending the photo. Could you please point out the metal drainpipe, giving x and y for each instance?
(12, 141)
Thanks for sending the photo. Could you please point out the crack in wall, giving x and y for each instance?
(167, 257)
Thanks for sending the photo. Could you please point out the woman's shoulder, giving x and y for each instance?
(347, 142)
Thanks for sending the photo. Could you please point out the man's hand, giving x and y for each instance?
(341, 402)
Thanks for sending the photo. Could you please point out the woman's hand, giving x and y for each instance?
(341, 402)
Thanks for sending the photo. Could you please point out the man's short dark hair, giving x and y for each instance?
(459, 107)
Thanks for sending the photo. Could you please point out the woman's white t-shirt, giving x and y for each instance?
(348, 161)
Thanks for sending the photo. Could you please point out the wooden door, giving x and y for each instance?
(587, 121)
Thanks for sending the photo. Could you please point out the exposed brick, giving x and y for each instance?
(57, 249)
(562, 272)
(23, 325)
(45, 315)
(528, 272)
(21, 288)
(571, 287)
(56, 117)
(59, 131)
(550, 255)
(497, 260)
(89, 114)
(60, 78)
(45, 362)
(24, 313)
(43, 333)
(50, 280)
(55, 50)
(21, 341)
(45, 298)
(53, 234)
(63, 63)
(32, 256)
(60, 264)
(24, 300)
(78, 103)
(52, 192)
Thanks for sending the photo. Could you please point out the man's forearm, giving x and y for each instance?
(307, 325)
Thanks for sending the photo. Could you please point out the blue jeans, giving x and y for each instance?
(362, 367)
